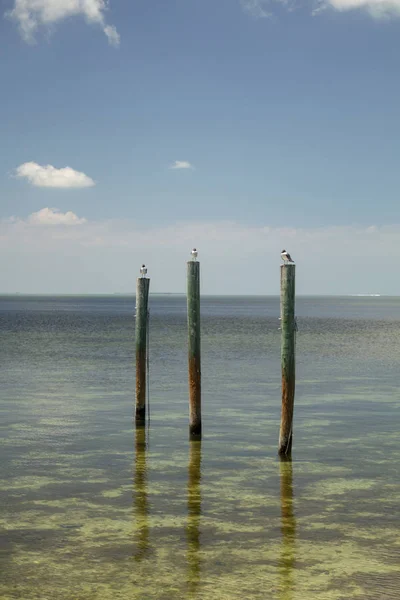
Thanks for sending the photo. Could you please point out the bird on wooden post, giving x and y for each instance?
(141, 343)
(285, 256)
(193, 314)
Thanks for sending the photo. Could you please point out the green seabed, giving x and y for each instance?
(91, 509)
(222, 518)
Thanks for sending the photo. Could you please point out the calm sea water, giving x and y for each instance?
(92, 510)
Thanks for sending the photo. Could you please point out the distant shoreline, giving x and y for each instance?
(132, 294)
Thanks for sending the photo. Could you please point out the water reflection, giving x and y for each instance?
(194, 512)
(288, 528)
(141, 501)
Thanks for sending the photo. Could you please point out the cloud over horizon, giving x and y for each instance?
(31, 15)
(53, 216)
(49, 176)
(98, 256)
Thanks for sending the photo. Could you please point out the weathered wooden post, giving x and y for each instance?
(288, 326)
(141, 331)
(193, 315)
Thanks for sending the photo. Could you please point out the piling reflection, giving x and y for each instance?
(288, 529)
(194, 513)
(141, 502)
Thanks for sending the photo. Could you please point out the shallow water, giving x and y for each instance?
(92, 510)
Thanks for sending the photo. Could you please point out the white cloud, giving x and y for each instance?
(49, 176)
(181, 164)
(264, 8)
(257, 8)
(376, 8)
(53, 216)
(33, 14)
(112, 35)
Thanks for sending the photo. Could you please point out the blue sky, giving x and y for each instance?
(283, 118)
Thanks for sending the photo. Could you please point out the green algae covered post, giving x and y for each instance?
(288, 347)
(193, 315)
(141, 336)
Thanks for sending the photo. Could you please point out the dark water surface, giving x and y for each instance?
(92, 511)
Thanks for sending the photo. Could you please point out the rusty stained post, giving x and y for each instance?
(142, 297)
(288, 326)
(193, 315)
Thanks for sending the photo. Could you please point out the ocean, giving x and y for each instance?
(91, 509)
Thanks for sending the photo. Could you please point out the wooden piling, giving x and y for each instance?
(142, 297)
(288, 326)
(193, 315)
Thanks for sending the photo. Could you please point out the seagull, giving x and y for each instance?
(143, 270)
(194, 254)
(285, 256)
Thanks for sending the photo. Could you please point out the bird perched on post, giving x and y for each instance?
(194, 254)
(143, 270)
(285, 256)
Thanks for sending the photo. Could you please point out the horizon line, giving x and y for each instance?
(113, 294)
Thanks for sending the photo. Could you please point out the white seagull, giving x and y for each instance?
(285, 256)
(143, 270)
(194, 254)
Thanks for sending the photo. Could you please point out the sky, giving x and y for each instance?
(132, 131)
